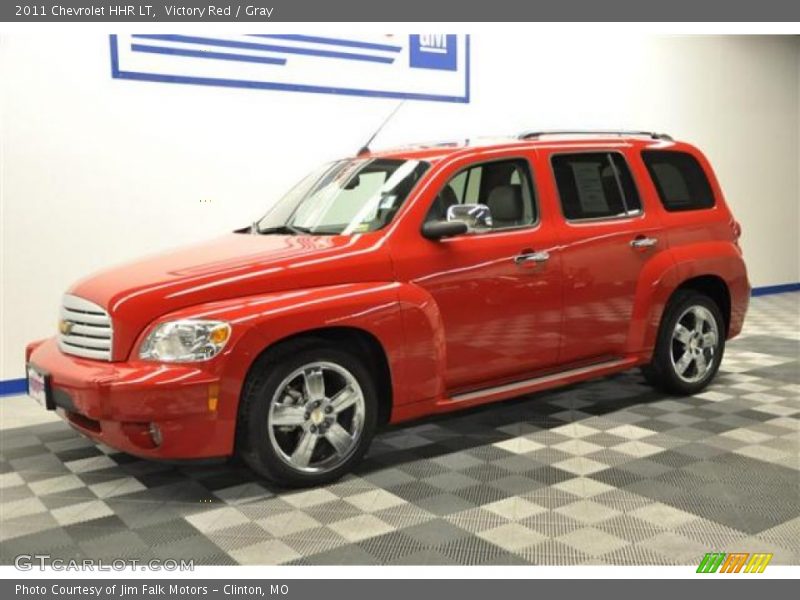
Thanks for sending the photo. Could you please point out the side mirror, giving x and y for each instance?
(474, 216)
(436, 230)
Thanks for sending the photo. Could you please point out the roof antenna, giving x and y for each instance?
(365, 148)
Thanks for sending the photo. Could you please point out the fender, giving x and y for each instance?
(402, 317)
(426, 354)
(723, 259)
(661, 278)
(658, 279)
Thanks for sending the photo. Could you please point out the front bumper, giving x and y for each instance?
(117, 403)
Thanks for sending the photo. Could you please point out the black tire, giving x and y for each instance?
(254, 444)
(661, 372)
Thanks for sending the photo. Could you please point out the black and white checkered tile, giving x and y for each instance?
(607, 472)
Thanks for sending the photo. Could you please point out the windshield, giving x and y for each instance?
(345, 197)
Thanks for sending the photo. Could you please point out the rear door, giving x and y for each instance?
(607, 239)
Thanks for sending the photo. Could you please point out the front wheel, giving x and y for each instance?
(690, 345)
(307, 416)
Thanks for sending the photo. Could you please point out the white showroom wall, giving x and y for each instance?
(96, 171)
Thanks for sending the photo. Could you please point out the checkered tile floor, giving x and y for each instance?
(608, 472)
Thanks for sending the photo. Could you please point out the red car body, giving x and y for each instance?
(453, 323)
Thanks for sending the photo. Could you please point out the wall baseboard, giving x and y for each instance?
(14, 387)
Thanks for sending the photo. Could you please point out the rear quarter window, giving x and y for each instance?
(680, 180)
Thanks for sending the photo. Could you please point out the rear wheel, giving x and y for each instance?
(308, 416)
(690, 344)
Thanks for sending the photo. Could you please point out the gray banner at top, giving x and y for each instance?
(153, 11)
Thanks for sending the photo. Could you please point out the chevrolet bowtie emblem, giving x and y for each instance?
(65, 327)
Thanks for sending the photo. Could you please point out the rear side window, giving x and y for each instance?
(595, 185)
(680, 180)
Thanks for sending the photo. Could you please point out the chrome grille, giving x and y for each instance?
(84, 329)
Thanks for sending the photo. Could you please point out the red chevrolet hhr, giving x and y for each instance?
(400, 284)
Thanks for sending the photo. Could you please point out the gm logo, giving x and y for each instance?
(434, 51)
(735, 562)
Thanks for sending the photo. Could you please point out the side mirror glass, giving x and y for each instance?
(474, 216)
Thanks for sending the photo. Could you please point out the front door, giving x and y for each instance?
(498, 288)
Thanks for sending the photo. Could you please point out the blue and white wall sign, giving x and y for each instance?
(420, 67)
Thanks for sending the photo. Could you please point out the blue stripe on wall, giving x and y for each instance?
(776, 289)
(268, 60)
(206, 41)
(326, 40)
(13, 387)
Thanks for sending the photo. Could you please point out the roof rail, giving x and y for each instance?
(528, 135)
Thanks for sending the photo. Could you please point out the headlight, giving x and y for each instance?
(185, 341)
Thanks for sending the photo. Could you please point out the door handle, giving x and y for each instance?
(529, 257)
(643, 242)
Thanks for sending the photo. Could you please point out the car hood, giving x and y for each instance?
(231, 266)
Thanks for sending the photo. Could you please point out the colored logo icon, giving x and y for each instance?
(736, 562)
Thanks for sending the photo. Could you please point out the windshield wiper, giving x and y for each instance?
(298, 229)
(290, 229)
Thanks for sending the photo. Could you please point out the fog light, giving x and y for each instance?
(155, 434)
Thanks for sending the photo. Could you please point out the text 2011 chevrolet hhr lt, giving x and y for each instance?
(400, 284)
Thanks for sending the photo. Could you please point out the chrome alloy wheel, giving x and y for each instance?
(695, 342)
(316, 417)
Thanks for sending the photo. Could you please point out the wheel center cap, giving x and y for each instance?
(696, 341)
(317, 416)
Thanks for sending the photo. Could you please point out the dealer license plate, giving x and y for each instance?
(39, 386)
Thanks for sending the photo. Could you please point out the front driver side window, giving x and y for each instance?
(504, 186)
